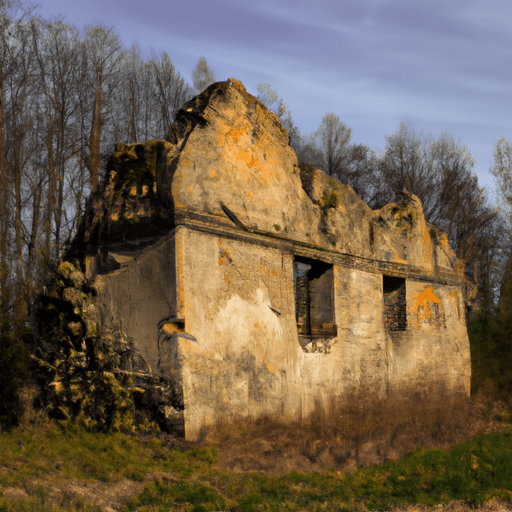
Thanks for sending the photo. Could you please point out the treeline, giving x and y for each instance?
(66, 97)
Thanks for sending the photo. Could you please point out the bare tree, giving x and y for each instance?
(57, 48)
(203, 76)
(171, 91)
(333, 137)
(59, 95)
(268, 96)
(132, 93)
(6, 67)
(440, 172)
(502, 172)
(493, 245)
(18, 105)
(103, 49)
(11, 18)
(402, 165)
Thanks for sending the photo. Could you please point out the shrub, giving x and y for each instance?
(14, 364)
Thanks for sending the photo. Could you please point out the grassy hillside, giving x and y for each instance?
(51, 466)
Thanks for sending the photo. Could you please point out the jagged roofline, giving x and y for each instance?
(229, 103)
(187, 119)
(191, 114)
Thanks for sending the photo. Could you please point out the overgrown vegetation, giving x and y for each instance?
(55, 466)
(365, 428)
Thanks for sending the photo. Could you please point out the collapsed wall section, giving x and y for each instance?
(141, 293)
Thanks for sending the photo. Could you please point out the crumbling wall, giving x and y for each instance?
(248, 284)
(139, 294)
(237, 358)
(243, 354)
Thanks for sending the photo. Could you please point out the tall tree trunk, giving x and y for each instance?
(59, 206)
(4, 221)
(94, 154)
(51, 197)
(19, 307)
(34, 230)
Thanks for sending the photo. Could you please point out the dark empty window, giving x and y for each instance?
(395, 315)
(314, 297)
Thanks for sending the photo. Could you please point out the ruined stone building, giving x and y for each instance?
(259, 286)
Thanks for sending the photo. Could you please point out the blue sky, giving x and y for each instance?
(444, 66)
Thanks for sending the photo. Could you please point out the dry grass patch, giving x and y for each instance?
(362, 430)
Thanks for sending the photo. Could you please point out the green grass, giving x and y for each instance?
(473, 471)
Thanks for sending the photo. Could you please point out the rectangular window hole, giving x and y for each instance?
(314, 297)
(395, 313)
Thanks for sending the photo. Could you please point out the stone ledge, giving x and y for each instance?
(214, 226)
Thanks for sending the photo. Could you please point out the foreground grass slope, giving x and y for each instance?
(47, 466)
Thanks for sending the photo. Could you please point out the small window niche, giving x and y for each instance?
(314, 303)
(395, 313)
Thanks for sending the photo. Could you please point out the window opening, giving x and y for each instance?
(395, 314)
(314, 299)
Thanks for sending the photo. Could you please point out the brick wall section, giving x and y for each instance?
(302, 298)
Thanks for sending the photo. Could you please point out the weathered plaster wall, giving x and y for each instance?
(239, 307)
(243, 356)
(435, 347)
(358, 355)
(138, 295)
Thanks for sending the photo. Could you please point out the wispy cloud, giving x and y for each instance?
(446, 66)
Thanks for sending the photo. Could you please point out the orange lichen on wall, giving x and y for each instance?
(424, 300)
(266, 270)
(223, 254)
(236, 134)
(399, 260)
(427, 295)
(454, 296)
(233, 140)
(251, 163)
